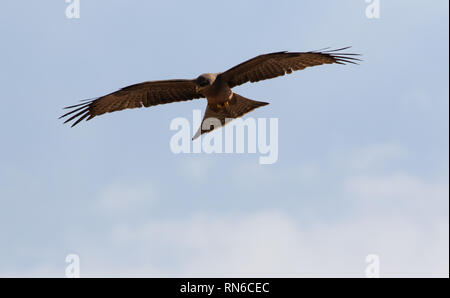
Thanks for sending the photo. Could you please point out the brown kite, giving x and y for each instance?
(216, 87)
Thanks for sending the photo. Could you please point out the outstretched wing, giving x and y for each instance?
(135, 96)
(272, 65)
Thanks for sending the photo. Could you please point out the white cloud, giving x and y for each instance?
(275, 243)
(400, 217)
(400, 193)
(272, 244)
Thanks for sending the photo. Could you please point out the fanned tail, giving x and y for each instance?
(216, 115)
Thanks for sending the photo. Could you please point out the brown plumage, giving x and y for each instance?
(273, 65)
(135, 96)
(216, 87)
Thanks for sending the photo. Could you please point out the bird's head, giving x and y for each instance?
(205, 80)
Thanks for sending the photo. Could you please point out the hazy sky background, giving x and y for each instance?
(363, 150)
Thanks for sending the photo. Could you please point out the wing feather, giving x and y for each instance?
(145, 94)
(277, 64)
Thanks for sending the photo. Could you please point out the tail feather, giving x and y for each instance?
(217, 116)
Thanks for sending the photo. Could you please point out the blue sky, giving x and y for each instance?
(363, 150)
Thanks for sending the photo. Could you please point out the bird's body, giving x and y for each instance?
(223, 104)
(218, 92)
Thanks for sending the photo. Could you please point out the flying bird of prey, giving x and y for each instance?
(223, 103)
